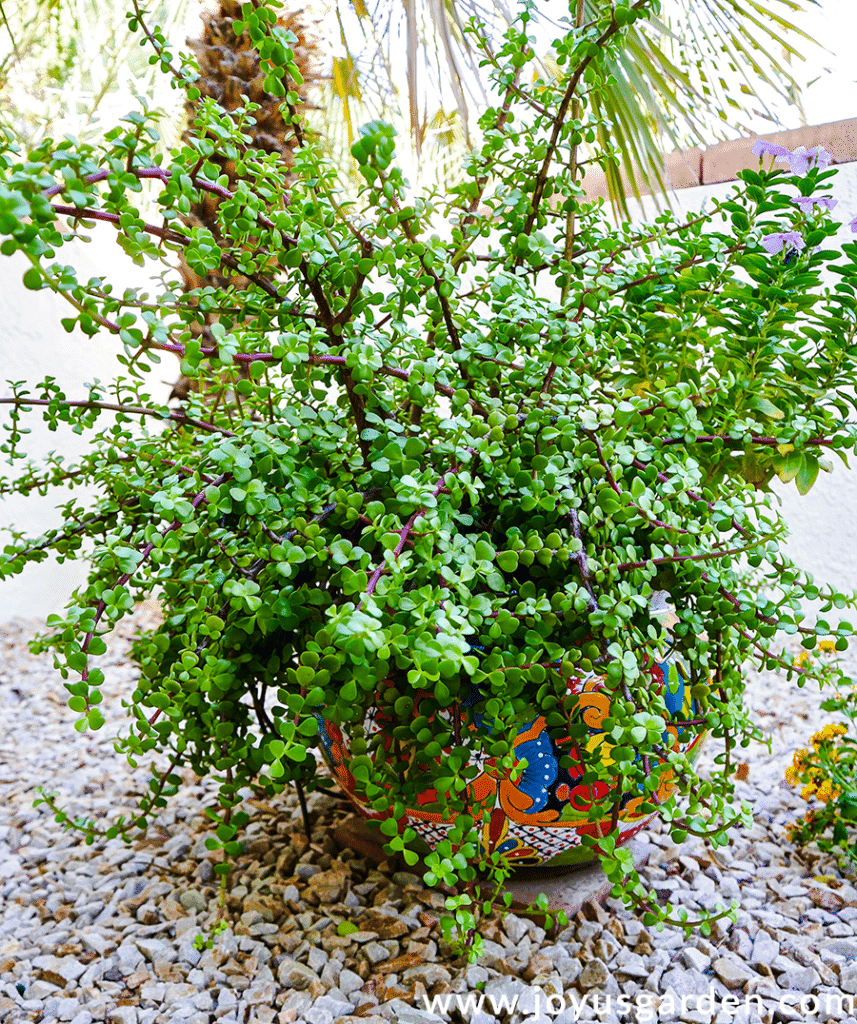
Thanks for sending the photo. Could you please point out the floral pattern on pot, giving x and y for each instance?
(540, 817)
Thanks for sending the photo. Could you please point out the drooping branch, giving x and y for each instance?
(169, 235)
(736, 604)
(693, 495)
(129, 410)
(652, 520)
(195, 502)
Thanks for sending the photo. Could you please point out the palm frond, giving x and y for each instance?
(670, 87)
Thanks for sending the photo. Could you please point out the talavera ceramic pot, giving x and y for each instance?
(540, 818)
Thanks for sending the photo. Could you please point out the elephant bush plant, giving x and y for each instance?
(439, 445)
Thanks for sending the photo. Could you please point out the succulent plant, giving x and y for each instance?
(445, 450)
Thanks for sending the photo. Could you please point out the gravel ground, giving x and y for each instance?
(106, 933)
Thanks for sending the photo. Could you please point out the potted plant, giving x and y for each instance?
(471, 495)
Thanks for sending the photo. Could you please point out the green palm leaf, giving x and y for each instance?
(669, 91)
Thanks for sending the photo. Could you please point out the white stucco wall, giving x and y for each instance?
(33, 344)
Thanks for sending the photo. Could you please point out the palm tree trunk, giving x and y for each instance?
(230, 71)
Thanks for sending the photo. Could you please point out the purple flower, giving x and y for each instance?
(776, 242)
(802, 159)
(799, 160)
(854, 226)
(760, 147)
(823, 159)
(806, 203)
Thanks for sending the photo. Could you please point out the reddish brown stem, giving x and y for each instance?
(129, 410)
(404, 533)
(768, 441)
(652, 520)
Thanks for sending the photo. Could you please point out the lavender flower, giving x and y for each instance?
(806, 203)
(823, 158)
(760, 147)
(779, 239)
(799, 160)
(854, 226)
(802, 159)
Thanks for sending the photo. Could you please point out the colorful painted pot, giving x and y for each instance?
(542, 816)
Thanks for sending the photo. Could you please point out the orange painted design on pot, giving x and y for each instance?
(545, 811)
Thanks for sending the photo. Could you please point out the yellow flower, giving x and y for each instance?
(829, 732)
(827, 645)
(807, 790)
(827, 791)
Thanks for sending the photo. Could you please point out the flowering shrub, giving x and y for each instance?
(799, 160)
(827, 774)
(444, 452)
